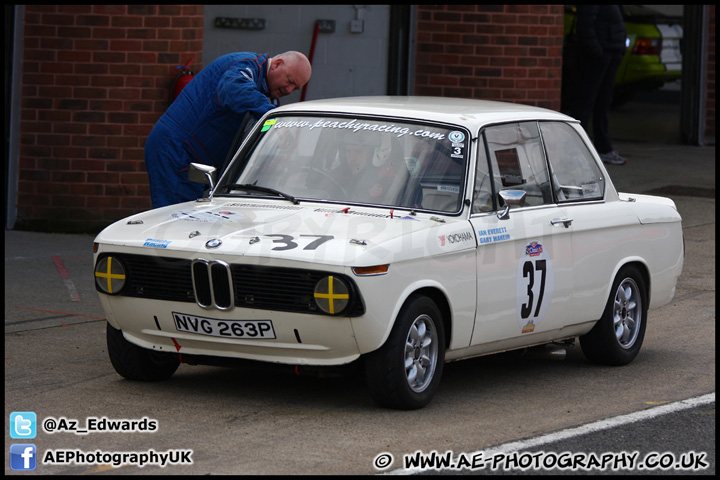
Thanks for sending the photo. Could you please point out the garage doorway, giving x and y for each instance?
(356, 52)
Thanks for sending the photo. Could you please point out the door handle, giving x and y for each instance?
(565, 221)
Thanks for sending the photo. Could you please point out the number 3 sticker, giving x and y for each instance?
(535, 284)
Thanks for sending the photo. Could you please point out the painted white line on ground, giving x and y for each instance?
(582, 430)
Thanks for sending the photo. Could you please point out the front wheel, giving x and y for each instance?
(617, 337)
(405, 372)
(137, 363)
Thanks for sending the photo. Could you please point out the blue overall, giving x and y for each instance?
(202, 122)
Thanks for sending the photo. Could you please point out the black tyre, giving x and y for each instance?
(405, 372)
(137, 363)
(617, 337)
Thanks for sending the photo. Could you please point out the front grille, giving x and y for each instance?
(159, 278)
(208, 284)
(212, 284)
(221, 286)
(276, 288)
(201, 281)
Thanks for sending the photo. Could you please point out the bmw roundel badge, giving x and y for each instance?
(214, 243)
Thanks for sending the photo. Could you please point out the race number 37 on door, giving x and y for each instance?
(535, 283)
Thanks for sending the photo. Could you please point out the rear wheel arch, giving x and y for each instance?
(618, 335)
(641, 267)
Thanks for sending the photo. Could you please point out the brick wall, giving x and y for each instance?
(95, 79)
(495, 52)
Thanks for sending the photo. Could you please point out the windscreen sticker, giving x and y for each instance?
(268, 124)
(355, 126)
(535, 286)
(457, 138)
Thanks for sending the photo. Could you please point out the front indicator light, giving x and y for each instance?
(331, 295)
(374, 270)
(110, 275)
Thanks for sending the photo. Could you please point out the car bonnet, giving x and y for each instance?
(320, 233)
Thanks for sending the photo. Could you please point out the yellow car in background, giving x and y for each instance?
(653, 56)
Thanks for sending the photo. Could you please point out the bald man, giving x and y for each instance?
(201, 124)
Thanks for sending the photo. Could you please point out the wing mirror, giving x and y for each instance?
(202, 174)
(511, 198)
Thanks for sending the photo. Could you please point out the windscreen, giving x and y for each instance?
(356, 160)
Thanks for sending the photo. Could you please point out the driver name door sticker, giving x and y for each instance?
(535, 285)
(492, 235)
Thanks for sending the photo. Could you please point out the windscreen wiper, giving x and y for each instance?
(257, 188)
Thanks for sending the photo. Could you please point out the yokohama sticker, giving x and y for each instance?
(535, 285)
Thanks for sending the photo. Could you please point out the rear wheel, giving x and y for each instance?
(617, 337)
(405, 372)
(137, 363)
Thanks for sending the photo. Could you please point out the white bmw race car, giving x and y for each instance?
(398, 232)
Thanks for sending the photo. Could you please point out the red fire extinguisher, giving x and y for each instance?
(181, 80)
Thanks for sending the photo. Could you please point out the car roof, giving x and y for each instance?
(472, 113)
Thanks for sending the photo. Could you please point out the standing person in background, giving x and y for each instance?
(601, 38)
(201, 124)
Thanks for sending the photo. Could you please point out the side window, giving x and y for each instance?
(575, 174)
(518, 162)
